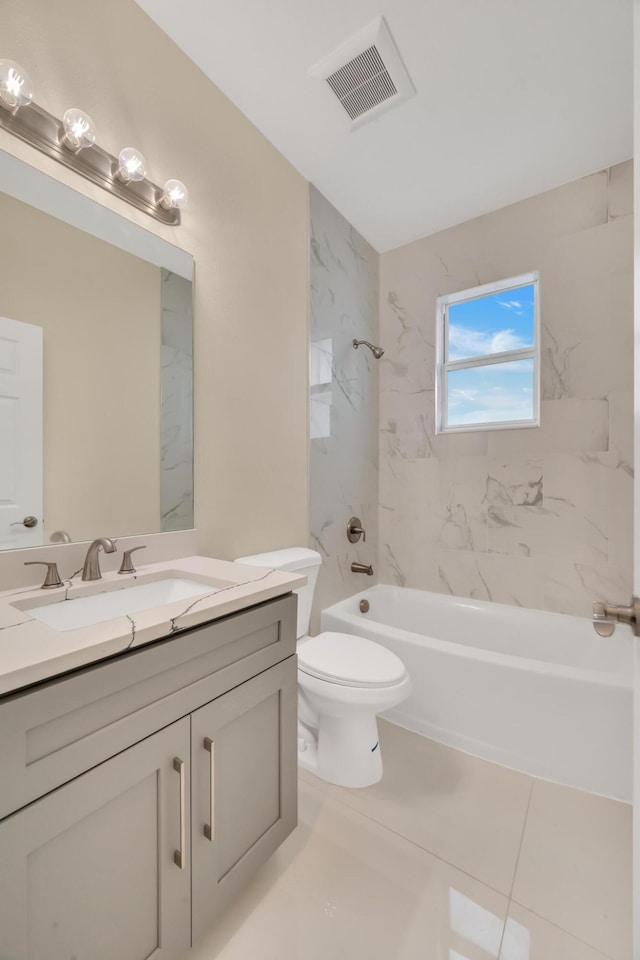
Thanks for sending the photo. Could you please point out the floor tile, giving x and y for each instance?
(468, 812)
(528, 937)
(575, 866)
(342, 886)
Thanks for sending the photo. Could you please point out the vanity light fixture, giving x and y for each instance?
(132, 166)
(79, 130)
(72, 141)
(16, 89)
(175, 195)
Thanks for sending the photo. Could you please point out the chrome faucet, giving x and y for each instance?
(91, 569)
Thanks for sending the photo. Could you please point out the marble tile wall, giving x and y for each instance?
(539, 517)
(343, 402)
(176, 467)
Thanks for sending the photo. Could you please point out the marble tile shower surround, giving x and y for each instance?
(538, 517)
(176, 466)
(344, 401)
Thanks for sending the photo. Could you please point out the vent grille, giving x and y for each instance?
(363, 83)
(365, 74)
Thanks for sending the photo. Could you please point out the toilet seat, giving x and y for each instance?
(350, 661)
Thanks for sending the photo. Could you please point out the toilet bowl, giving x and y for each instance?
(344, 681)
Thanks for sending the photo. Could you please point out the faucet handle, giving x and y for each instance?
(127, 566)
(52, 578)
(355, 530)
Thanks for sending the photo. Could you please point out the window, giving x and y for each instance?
(488, 357)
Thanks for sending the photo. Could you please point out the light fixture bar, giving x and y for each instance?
(42, 130)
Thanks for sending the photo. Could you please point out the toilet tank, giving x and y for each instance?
(300, 559)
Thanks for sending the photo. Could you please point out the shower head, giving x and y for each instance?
(376, 351)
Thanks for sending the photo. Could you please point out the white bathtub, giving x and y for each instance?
(538, 692)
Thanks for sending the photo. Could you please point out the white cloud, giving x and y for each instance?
(514, 305)
(458, 397)
(464, 342)
(492, 404)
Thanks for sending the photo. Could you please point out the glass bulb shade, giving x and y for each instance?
(175, 195)
(131, 165)
(16, 89)
(79, 130)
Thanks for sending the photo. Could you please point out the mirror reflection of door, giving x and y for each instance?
(20, 433)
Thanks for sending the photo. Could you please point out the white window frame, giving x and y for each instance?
(443, 365)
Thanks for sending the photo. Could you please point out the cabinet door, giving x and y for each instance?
(89, 871)
(244, 801)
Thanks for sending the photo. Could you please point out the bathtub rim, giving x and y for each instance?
(617, 679)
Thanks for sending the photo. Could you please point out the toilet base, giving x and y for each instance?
(347, 751)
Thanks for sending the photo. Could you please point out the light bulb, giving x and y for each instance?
(79, 131)
(175, 195)
(131, 165)
(16, 89)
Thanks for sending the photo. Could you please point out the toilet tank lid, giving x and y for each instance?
(291, 558)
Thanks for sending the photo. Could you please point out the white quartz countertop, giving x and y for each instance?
(31, 651)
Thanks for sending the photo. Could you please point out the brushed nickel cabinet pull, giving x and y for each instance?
(209, 828)
(180, 856)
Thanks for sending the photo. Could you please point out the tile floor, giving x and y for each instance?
(448, 858)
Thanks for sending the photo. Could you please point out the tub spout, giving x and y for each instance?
(362, 568)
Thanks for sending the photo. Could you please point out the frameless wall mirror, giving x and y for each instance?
(96, 371)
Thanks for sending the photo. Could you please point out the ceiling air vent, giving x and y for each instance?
(363, 83)
(366, 74)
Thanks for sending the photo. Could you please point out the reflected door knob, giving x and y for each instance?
(27, 522)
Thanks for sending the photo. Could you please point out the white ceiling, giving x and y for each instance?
(514, 97)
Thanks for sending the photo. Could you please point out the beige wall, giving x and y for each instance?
(100, 398)
(540, 517)
(247, 227)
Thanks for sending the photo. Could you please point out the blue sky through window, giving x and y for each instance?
(493, 393)
(491, 324)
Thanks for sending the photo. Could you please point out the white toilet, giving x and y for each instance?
(344, 681)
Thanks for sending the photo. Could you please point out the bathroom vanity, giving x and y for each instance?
(147, 752)
(141, 789)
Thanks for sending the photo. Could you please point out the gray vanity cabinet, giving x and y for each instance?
(89, 872)
(244, 798)
(110, 775)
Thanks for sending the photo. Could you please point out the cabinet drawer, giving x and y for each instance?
(57, 730)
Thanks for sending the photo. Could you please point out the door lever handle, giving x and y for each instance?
(607, 615)
(27, 522)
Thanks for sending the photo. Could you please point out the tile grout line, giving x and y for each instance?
(524, 827)
(517, 863)
(568, 933)
(557, 926)
(401, 836)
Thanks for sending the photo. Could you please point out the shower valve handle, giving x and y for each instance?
(607, 615)
(355, 530)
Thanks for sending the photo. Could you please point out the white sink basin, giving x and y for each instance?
(100, 607)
